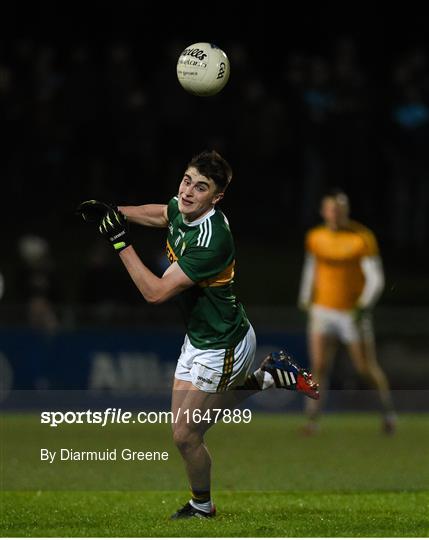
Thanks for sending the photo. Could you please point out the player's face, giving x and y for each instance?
(335, 212)
(197, 194)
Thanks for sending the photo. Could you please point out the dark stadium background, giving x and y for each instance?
(91, 108)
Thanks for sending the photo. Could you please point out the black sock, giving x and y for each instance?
(200, 497)
(251, 383)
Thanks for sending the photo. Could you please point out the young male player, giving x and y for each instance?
(219, 347)
(342, 280)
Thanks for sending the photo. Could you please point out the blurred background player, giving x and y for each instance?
(39, 286)
(342, 279)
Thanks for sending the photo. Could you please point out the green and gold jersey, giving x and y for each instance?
(204, 250)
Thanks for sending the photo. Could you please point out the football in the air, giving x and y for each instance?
(203, 69)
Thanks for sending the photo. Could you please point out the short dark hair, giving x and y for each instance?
(212, 165)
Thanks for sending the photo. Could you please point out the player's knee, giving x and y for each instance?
(180, 438)
(185, 439)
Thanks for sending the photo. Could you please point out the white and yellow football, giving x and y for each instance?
(203, 69)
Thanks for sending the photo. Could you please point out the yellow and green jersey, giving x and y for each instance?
(204, 250)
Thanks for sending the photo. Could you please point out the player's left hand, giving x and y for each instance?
(92, 211)
(114, 227)
(304, 306)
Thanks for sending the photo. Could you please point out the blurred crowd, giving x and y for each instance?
(110, 121)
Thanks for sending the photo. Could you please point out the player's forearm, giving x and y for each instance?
(150, 285)
(307, 281)
(372, 269)
(150, 215)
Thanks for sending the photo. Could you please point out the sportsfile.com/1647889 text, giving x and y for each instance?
(111, 416)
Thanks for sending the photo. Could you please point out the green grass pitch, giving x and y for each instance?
(268, 480)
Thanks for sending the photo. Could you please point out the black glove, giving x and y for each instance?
(114, 227)
(93, 211)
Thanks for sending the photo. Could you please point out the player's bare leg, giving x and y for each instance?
(322, 348)
(365, 362)
(277, 370)
(188, 437)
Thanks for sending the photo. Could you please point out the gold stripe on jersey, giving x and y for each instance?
(224, 277)
(228, 364)
(170, 253)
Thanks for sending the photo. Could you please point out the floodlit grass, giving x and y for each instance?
(268, 480)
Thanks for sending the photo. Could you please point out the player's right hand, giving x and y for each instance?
(114, 227)
(93, 211)
(359, 313)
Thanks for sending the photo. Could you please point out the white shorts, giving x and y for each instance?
(339, 323)
(216, 370)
